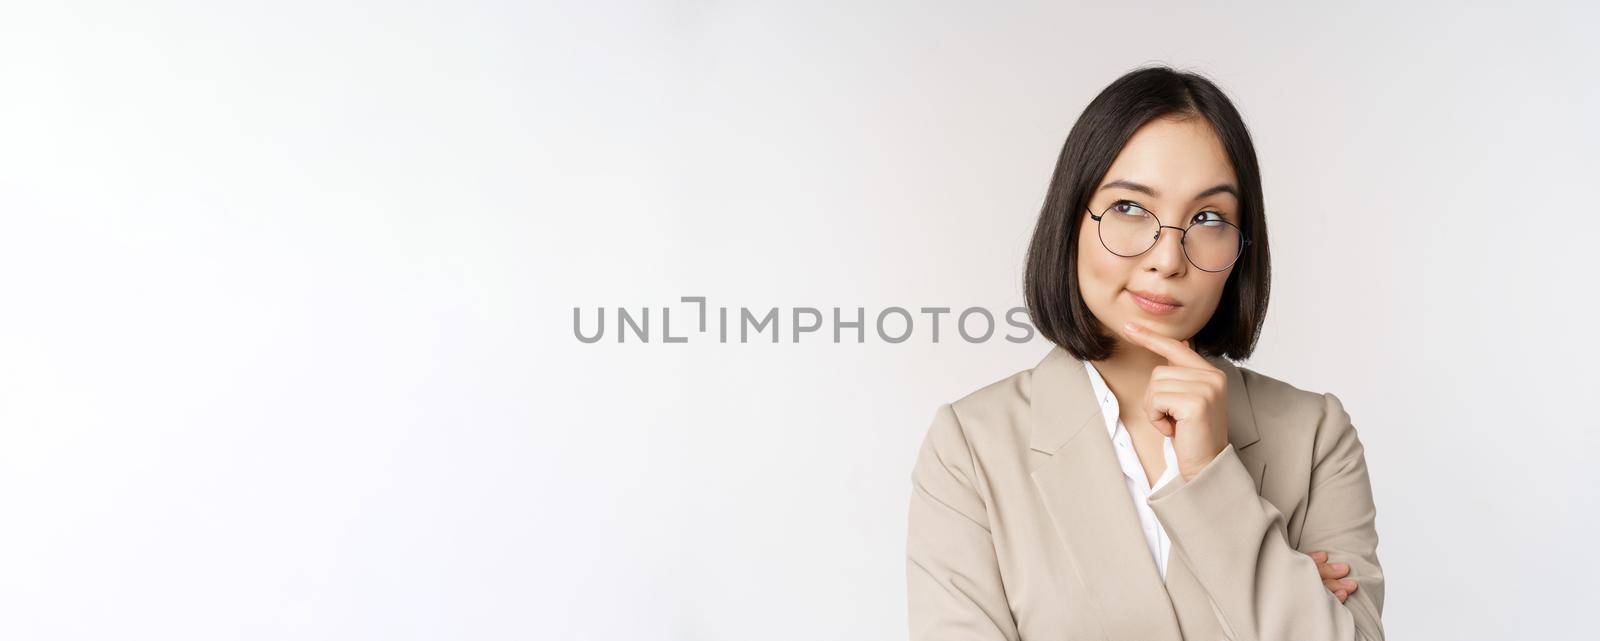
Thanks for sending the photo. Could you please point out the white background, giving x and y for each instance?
(286, 349)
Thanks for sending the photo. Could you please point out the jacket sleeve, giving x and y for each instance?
(1235, 542)
(954, 591)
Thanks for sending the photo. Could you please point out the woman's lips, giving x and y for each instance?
(1152, 306)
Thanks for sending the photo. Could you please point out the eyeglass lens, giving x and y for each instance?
(1211, 243)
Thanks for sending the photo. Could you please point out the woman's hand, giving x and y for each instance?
(1332, 576)
(1186, 400)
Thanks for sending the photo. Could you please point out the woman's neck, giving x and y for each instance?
(1127, 373)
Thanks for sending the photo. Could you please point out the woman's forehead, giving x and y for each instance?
(1172, 158)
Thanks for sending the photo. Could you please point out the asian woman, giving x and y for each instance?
(1137, 484)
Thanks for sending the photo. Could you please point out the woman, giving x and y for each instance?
(1136, 485)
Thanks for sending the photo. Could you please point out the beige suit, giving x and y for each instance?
(1021, 527)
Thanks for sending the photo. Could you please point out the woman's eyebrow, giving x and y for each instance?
(1150, 191)
(1219, 189)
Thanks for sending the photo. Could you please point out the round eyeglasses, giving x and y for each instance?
(1211, 244)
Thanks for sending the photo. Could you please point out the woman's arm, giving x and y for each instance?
(1235, 542)
(953, 579)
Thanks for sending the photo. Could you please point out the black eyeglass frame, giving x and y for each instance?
(1182, 239)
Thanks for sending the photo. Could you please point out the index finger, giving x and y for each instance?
(1178, 353)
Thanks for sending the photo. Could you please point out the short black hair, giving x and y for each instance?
(1050, 284)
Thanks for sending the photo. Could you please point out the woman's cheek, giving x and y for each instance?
(1102, 275)
(1098, 286)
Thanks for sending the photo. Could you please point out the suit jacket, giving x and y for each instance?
(1021, 527)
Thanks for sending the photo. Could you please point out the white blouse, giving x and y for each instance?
(1139, 487)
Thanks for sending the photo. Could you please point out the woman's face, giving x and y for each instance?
(1169, 168)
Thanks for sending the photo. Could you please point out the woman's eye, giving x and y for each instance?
(1127, 208)
(1208, 217)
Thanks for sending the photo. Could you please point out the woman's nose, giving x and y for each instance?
(1167, 255)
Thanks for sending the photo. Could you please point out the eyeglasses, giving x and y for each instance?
(1212, 244)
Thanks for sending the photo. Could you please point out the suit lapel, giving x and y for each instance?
(1083, 491)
